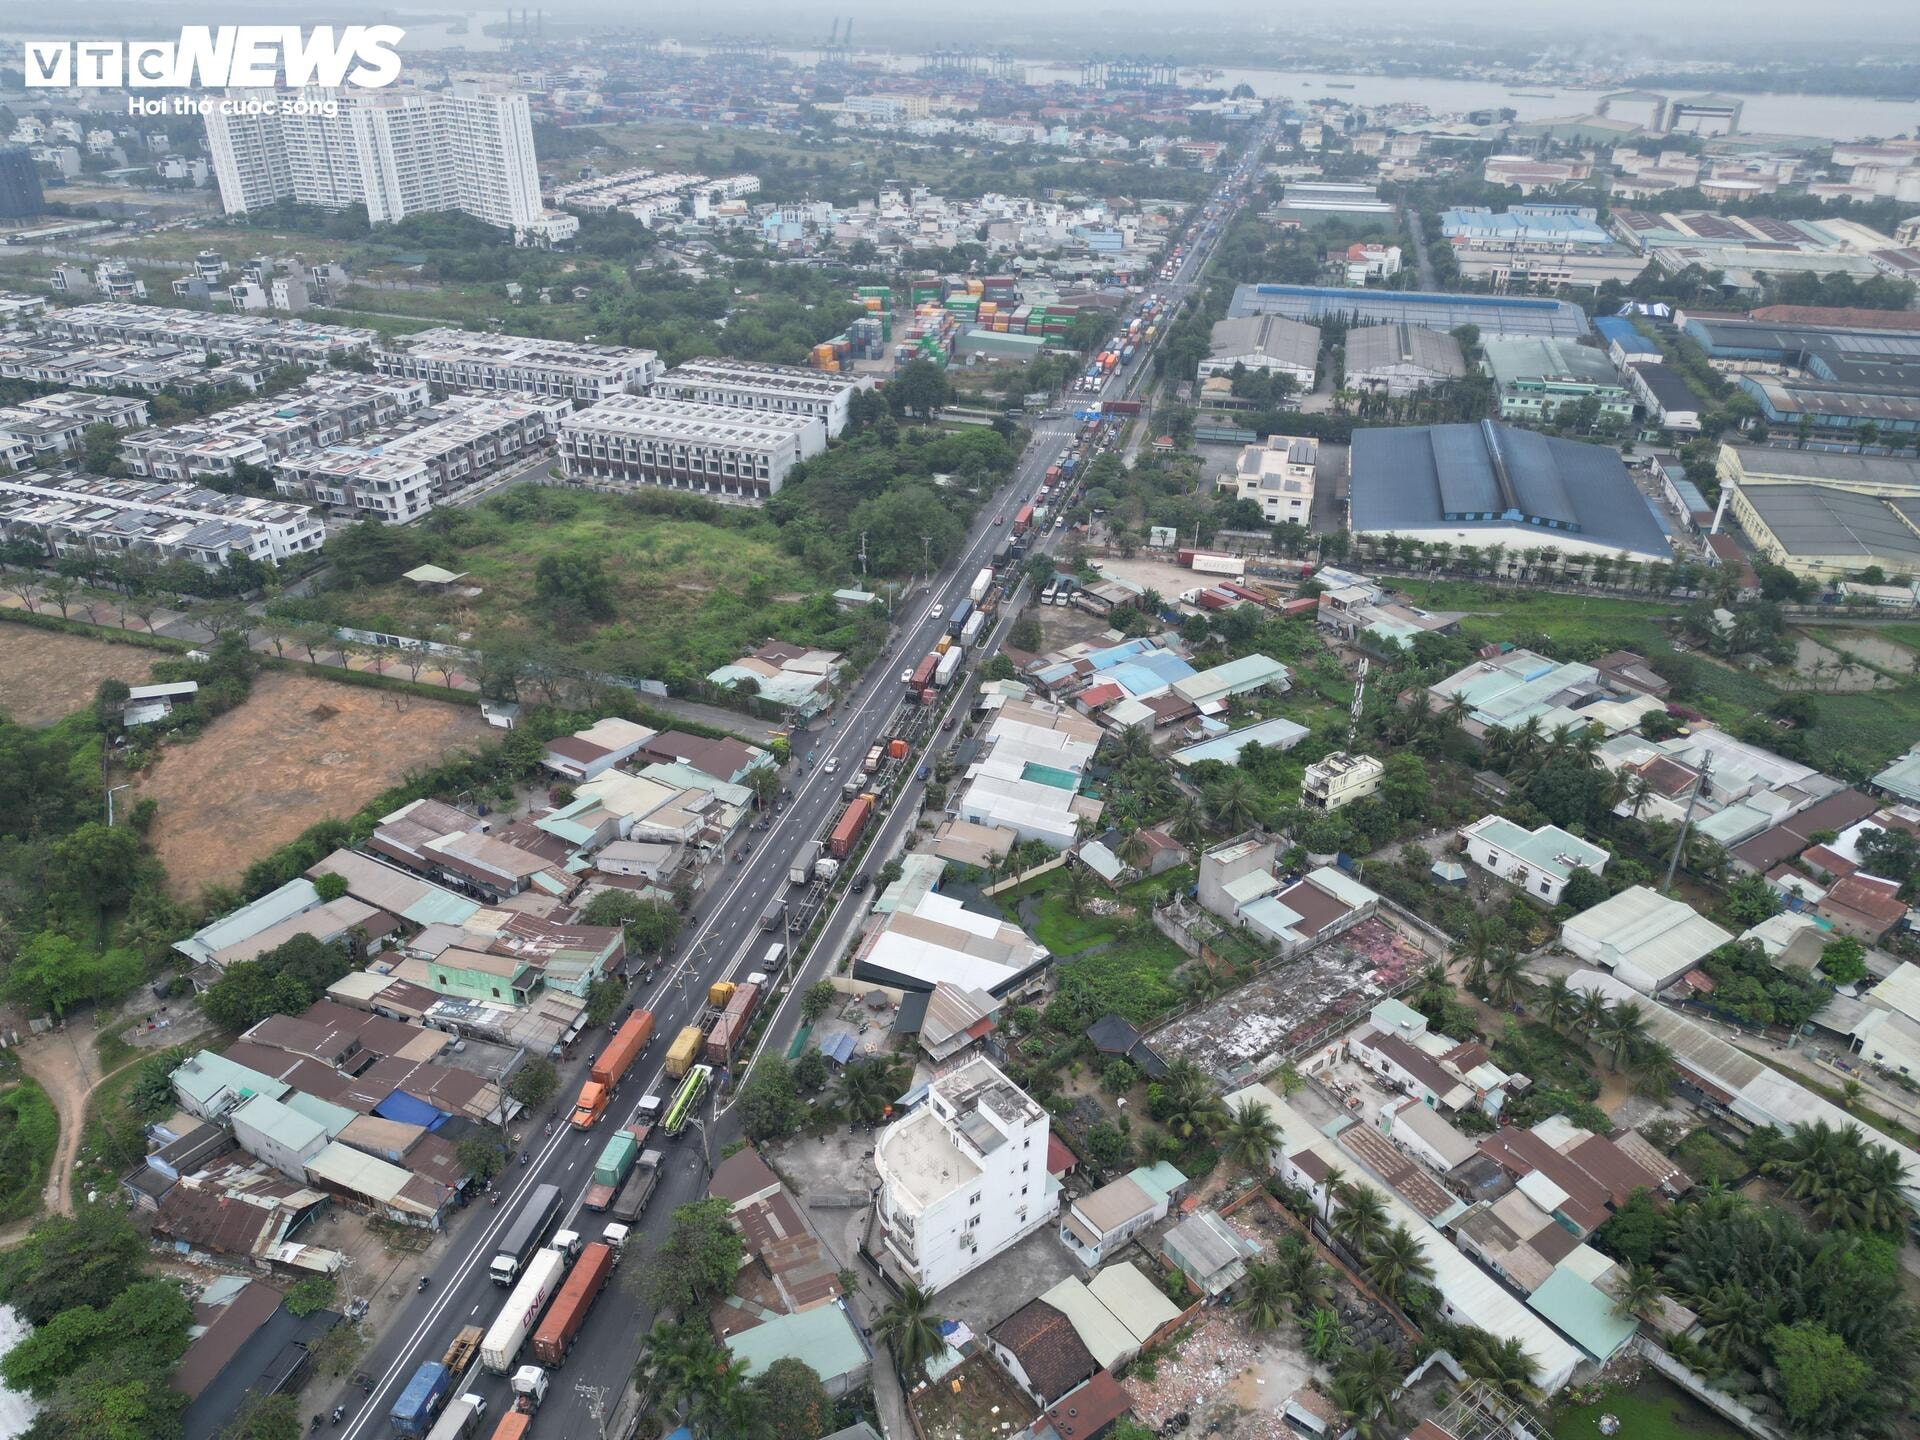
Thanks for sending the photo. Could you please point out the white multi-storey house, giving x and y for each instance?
(963, 1176)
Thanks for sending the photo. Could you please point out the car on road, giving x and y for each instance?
(833, 764)
(938, 611)
(906, 677)
(999, 519)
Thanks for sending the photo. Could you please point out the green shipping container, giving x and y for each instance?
(616, 1159)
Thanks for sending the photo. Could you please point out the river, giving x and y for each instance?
(16, 1411)
(1832, 117)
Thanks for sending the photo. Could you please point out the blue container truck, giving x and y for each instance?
(426, 1392)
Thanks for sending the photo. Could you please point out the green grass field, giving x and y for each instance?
(682, 589)
(1872, 727)
(1652, 1410)
(1129, 969)
(29, 1134)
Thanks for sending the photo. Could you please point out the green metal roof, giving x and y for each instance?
(822, 1337)
(1580, 1311)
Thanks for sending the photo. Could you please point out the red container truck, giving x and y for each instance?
(730, 1030)
(923, 672)
(588, 1278)
(847, 830)
(1022, 518)
(609, 1066)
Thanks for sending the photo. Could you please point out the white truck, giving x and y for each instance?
(538, 1283)
(460, 1419)
(970, 632)
(982, 583)
(949, 665)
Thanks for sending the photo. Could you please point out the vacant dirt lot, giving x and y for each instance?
(44, 676)
(299, 750)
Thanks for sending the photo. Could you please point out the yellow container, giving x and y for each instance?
(975, 287)
(684, 1051)
(719, 993)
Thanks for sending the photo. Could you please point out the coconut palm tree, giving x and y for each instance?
(866, 1088)
(1364, 1389)
(1330, 1188)
(1395, 1263)
(1249, 1137)
(1130, 742)
(677, 1364)
(1234, 806)
(1735, 1323)
(1078, 886)
(1192, 1107)
(1506, 977)
(1650, 1067)
(910, 1328)
(728, 1408)
(1483, 939)
(1134, 849)
(1188, 822)
(1588, 1012)
(1639, 1293)
(1556, 1002)
(1623, 1027)
(1362, 1219)
(1503, 1364)
(1264, 1299)
(1434, 987)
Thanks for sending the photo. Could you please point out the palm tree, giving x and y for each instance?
(1362, 1219)
(1188, 823)
(1503, 1364)
(1250, 1136)
(1735, 1322)
(1650, 1067)
(728, 1408)
(1234, 806)
(1396, 1263)
(677, 1364)
(1434, 987)
(909, 1327)
(1364, 1389)
(1639, 1293)
(1639, 791)
(1130, 742)
(1192, 1107)
(1483, 939)
(1134, 849)
(1623, 1027)
(867, 1087)
(1588, 1012)
(1455, 712)
(1506, 977)
(1073, 878)
(1556, 1001)
(1330, 1188)
(1264, 1299)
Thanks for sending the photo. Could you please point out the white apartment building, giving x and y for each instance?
(1339, 779)
(398, 475)
(752, 385)
(519, 365)
(398, 152)
(736, 456)
(963, 1176)
(1538, 861)
(260, 432)
(70, 514)
(1277, 476)
(298, 342)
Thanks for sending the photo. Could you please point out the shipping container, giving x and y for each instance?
(426, 1392)
(555, 1335)
(949, 666)
(684, 1051)
(957, 617)
(1023, 517)
(872, 762)
(896, 749)
(801, 870)
(846, 830)
(460, 1419)
(982, 583)
(500, 1350)
(1214, 600)
(514, 1425)
(719, 993)
(923, 672)
(610, 1066)
(616, 1158)
(971, 634)
(730, 1030)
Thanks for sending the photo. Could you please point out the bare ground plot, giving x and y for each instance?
(45, 675)
(300, 749)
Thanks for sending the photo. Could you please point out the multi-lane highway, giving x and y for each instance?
(722, 941)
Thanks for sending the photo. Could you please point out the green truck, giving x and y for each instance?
(616, 1159)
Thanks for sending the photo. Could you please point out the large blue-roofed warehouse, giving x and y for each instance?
(1492, 484)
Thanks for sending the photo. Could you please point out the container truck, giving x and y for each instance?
(872, 762)
(730, 1030)
(426, 1392)
(949, 665)
(896, 748)
(1022, 518)
(616, 1158)
(555, 1335)
(847, 828)
(609, 1066)
(500, 1350)
(801, 870)
(684, 1051)
(971, 635)
(632, 1199)
(460, 1419)
(1215, 600)
(923, 672)
(529, 1228)
(529, 1390)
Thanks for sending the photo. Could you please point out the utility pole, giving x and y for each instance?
(926, 555)
(1686, 821)
(863, 534)
(596, 1398)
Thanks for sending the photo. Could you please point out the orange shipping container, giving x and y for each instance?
(609, 1066)
(896, 749)
(514, 1425)
(556, 1332)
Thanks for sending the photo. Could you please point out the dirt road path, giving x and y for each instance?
(67, 1068)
